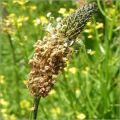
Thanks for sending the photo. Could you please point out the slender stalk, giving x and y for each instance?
(15, 69)
(36, 104)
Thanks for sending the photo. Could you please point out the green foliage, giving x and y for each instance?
(89, 86)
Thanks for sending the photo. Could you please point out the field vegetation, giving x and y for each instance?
(88, 88)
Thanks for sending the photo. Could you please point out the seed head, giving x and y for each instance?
(74, 23)
(51, 54)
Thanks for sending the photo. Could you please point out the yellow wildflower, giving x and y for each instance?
(71, 10)
(88, 24)
(33, 7)
(52, 92)
(67, 64)
(88, 30)
(9, 23)
(3, 102)
(2, 81)
(10, 19)
(56, 110)
(21, 19)
(11, 15)
(12, 117)
(3, 111)
(90, 52)
(111, 11)
(25, 82)
(81, 116)
(20, 2)
(24, 104)
(62, 11)
(90, 36)
(99, 25)
(43, 19)
(19, 24)
(73, 70)
(86, 70)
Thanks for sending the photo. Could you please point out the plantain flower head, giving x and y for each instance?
(54, 50)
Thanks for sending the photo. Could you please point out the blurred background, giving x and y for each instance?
(88, 88)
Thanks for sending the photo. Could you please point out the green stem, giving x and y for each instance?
(102, 11)
(23, 47)
(36, 104)
(15, 68)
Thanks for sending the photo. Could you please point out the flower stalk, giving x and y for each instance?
(36, 104)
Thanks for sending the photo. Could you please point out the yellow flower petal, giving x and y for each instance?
(81, 116)
(71, 10)
(88, 30)
(3, 102)
(24, 104)
(73, 70)
(33, 7)
(20, 2)
(52, 92)
(90, 36)
(89, 23)
(3, 111)
(62, 11)
(43, 19)
(99, 25)
(56, 110)
(25, 82)
(12, 117)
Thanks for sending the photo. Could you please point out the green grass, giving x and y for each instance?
(89, 86)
